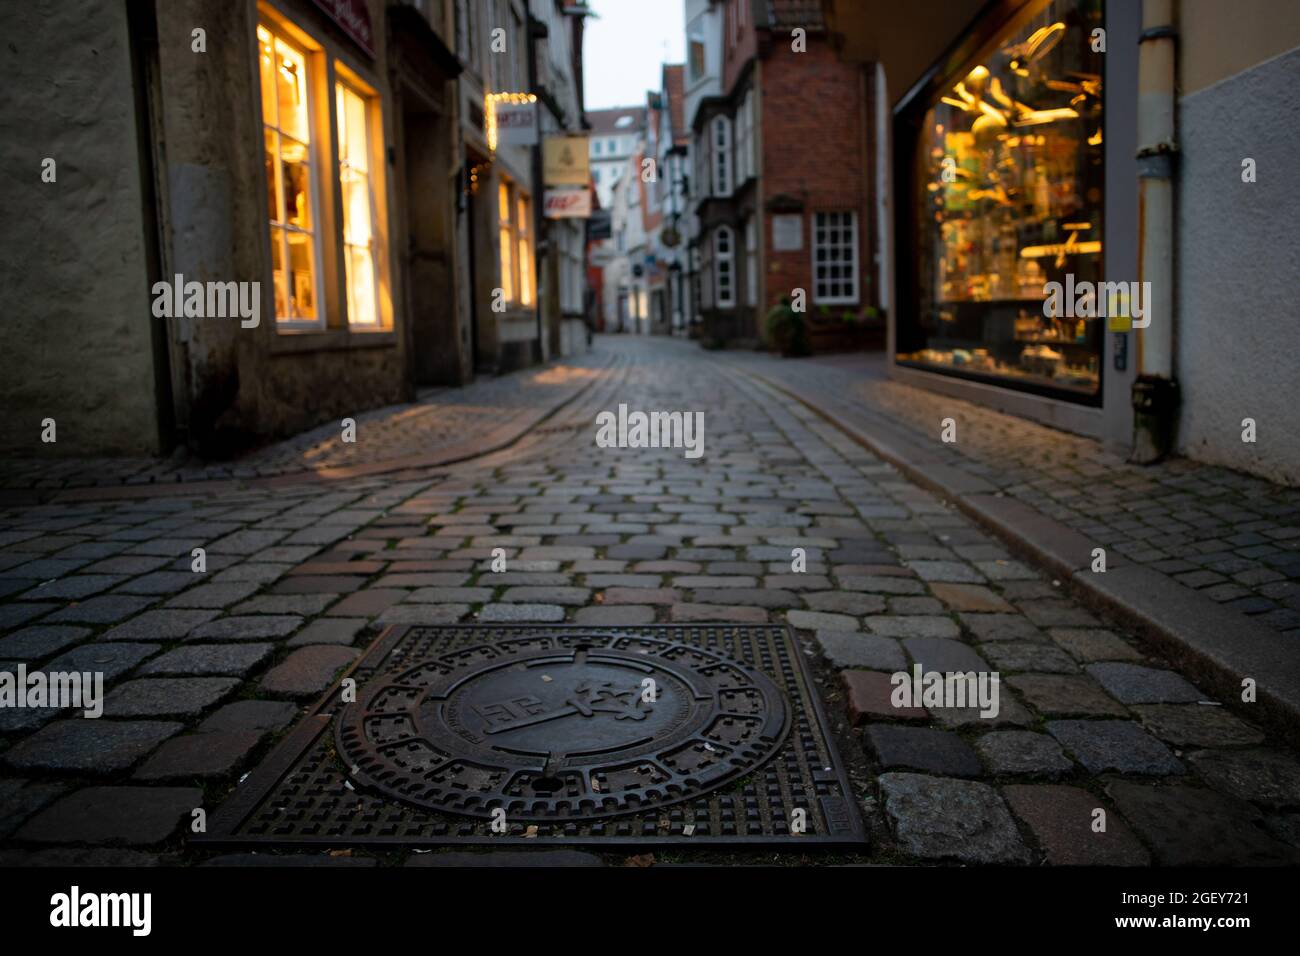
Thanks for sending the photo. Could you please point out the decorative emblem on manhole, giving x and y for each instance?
(560, 727)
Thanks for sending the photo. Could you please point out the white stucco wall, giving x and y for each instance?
(1238, 326)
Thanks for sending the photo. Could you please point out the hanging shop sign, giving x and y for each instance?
(567, 204)
(512, 119)
(353, 16)
(565, 160)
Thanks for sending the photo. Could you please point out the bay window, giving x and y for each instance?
(724, 273)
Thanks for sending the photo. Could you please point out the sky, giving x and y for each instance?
(625, 49)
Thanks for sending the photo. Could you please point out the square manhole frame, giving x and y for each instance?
(843, 812)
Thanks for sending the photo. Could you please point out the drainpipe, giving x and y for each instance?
(1155, 391)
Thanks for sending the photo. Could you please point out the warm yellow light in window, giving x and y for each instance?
(358, 207)
(525, 254)
(507, 243)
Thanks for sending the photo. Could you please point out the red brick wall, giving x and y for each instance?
(813, 150)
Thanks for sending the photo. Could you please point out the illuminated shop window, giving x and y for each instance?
(525, 243)
(507, 242)
(1007, 197)
(359, 219)
(514, 229)
(291, 185)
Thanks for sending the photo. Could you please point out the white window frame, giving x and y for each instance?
(821, 246)
(721, 156)
(724, 266)
(319, 159)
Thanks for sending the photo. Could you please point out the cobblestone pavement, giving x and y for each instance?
(1231, 536)
(205, 671)
(441, 420)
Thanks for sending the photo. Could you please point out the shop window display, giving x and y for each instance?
(1008, 183)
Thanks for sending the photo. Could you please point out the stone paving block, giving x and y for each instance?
(164, 624)
(1006, 570)
(161, 583)
(641, 596)
(329, 630)
(771, 598)
(854, 649)
(89, 746)
(1197, 725)
(946, 571)
(15, 614)
(308, 670)
(111, 660)
(135, 816)
(944, 655)
(19, 799)
(1114, 745)
(566, 596)
(1131, 684)
(818, 621)
(1028, 656)
(167, 696)
(242, 715)
(215, 595)
(1092, 644)
(702, 613)
(845, 602)
(1057, 613)
(1266, 777)
(1000, 627)
(199, 660)
(915, 605)
(923, 748)
(255, 627)
(205, 755)
(804, 581)
(368, 603)
(869, 696)
(880, 584)
(936, 818)
(306, 605)
(513, 613)
(318, 584)
(104, 609)
(1023, 753)
(1192, 826)
(969, 597)
(40, 641)
(620, 614)
(1053, 694)
(1061, 819)
(72, 588)
(423, 614)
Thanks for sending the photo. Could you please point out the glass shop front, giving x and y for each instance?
(1003, 174)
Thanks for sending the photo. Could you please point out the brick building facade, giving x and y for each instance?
(781, 179)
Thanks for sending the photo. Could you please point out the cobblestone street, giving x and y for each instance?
(204, 671)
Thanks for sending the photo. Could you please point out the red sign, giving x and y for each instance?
(354, 17)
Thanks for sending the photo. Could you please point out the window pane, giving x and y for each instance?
(296, 179)
(507, 264)
(302, 276)
(361, 286)
(291, 89)
(266, 66)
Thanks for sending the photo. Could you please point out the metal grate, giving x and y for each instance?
(556, 734)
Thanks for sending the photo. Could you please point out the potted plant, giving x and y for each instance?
(788, 330)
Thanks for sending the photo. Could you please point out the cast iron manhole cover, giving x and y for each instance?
(557, 734)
